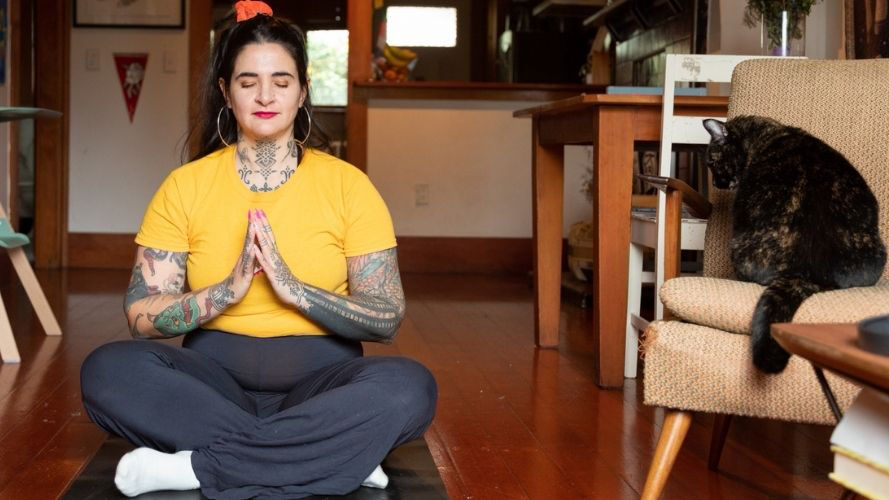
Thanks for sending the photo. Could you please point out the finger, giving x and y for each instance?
(266, 225)
(262, 237)
(260, 258)
(255, 256)
(254, 231)
(248, 261)
(249, 236)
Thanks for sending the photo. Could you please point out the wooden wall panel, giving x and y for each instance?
(199, 19)
(19, 77)
(52, 40)
(639, 60)
(415, 254)
(360, 15)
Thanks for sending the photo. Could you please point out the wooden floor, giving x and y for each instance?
(513, 421)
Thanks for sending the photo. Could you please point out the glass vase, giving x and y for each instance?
(783, 33)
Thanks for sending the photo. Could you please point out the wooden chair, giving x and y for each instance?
(701, 362)
(14, 243)
(648, 229)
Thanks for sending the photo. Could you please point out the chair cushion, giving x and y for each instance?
(728, 305)
(697, 368)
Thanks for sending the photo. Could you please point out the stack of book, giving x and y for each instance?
(860, 444)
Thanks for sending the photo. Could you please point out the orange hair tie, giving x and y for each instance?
(248, 9)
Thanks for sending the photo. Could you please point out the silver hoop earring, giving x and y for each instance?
(302, 143)
(218, 130)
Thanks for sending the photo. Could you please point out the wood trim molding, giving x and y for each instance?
(360, 20)
(101, 250)
(200, 13)
(20, 44)
(487, 91)
(52, 41)
(415, 254)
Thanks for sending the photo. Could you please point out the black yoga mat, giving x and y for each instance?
(411, 470)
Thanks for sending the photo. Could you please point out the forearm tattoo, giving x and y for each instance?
(180, 317)
(138, 288)
(184, 314)
(220, 296)
(373, 311)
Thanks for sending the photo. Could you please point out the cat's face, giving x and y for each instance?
(722, 159)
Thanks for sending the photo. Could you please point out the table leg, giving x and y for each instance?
(612, 182)
(547, 186)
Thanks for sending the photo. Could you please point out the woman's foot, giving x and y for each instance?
(144, 469)
(376, 479)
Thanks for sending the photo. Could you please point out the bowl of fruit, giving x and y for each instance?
(394, 64)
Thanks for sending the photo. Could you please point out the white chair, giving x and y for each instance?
(648, 229)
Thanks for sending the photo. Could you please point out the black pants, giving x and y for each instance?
(283, 417)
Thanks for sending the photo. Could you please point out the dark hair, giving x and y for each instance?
(259, 29)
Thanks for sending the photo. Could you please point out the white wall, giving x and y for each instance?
(824, 30)
(115, 166)
(474, 157)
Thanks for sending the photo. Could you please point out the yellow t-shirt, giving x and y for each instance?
(327, 211)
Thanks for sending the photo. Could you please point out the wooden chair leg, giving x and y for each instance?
(634, 293)
(9, 353)
(720, 431)
(672, 435)
(35, 293)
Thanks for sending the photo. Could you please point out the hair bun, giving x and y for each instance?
(248, 9)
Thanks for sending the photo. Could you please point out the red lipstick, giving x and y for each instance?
(265, 115)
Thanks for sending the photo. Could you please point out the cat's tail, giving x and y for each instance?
(777, 304)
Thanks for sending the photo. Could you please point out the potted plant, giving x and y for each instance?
(783, 25)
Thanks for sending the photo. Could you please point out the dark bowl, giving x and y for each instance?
(873, 335)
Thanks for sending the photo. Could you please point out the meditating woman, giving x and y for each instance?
(289, 255)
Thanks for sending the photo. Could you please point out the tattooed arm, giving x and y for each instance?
(374, 310)
(156, 305)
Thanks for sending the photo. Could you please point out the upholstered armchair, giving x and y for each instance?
(700, 359)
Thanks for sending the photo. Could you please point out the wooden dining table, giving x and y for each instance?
(612, 124)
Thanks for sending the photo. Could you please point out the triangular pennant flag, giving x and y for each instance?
(131, 71)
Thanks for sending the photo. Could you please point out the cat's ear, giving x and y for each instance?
(716, 129)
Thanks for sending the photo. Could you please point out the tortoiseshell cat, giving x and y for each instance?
(805, 220)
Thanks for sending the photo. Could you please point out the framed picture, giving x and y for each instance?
(160, 14)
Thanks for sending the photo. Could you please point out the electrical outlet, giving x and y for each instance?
(92, 59)
(421, 195)
(169, 61)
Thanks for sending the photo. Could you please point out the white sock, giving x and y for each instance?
(376, 479)
(144, 469)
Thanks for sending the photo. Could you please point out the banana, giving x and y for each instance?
(393, 59)
(404, 54)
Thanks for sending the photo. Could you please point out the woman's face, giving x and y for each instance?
(265, 94)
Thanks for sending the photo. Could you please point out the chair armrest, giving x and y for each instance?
(697, 204)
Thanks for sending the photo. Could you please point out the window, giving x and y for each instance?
(328, 52)
(421, 26)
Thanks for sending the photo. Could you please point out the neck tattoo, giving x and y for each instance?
(266, 161)
(293, 147)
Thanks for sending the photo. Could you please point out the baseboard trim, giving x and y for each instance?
(101, 250)
(415, 254)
